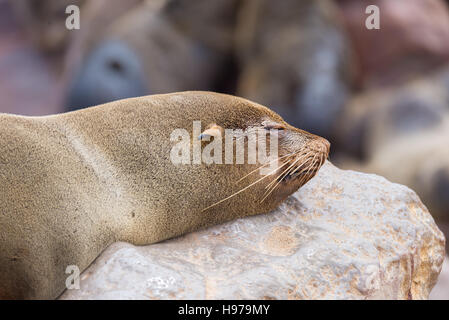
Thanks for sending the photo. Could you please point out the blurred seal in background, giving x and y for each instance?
(72, 184)
(291, 55)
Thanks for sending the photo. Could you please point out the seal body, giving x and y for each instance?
(71, 184)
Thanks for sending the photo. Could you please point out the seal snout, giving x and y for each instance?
(320, 145)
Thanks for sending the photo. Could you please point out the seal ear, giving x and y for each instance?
(212, 130)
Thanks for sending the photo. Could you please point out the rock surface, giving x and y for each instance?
(427, 175)
(344, 235)
(441, 290)
(405, 125)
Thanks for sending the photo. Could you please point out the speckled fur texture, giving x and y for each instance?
(72, 184)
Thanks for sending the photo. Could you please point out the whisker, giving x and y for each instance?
(279, 179)
(310, 166)
(305, 171)
(264, 166)
(236, 193)
(299, 158)
(284, 174)
(269, 191)
(306, 168)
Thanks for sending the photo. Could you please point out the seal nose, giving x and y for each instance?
(321, 145)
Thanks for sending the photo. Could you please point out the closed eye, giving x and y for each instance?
(274, 127)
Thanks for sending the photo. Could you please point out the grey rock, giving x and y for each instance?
(441, 289)
(344, 235)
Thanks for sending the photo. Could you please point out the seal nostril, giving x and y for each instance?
(115, 66)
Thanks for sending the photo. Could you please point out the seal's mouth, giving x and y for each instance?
(295, 170)
(305, 164)
(302, 167)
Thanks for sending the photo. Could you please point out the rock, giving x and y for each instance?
(441, 289)
(344, 235)
(413, 39)
(374, 117)
(406, 125)
(420, 161)
(444, 227)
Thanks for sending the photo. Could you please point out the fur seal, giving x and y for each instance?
(72, 184)
(148, 47)
(276, 55)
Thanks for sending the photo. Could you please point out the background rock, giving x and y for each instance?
(374, 117)
(287, 54)
(413, 39)
(421, 161)
(28, 84)
(406, 125)
(44, 21)
(345, 235)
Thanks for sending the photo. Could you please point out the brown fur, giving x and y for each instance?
(72, 184)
